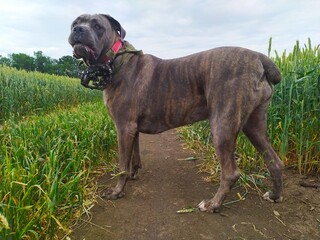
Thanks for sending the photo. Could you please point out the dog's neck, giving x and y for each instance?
(119, 48)
(99, 75)
(111, 54)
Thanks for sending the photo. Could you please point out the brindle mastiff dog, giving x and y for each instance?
(229, 86)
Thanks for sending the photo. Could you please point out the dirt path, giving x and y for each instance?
(165, 185)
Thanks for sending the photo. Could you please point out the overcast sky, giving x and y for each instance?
(165, 28)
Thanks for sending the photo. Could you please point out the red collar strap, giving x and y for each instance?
(113, 51)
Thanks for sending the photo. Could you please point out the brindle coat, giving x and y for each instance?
(229, 86)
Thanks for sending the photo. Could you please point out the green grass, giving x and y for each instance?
(25, 93)
(53, 135)
(293, 118)
(45, 167)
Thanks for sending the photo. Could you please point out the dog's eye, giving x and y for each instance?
(97, 26)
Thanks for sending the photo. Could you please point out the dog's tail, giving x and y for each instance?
(271, 70)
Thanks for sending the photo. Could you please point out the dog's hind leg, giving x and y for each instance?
(126, 137)
(256, 130)
(224, 140)
(135, 161)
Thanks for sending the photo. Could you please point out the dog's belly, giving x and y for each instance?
(156, 120)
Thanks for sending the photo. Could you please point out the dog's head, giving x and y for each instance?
(93, 35)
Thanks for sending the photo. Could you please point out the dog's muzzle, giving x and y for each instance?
(96, 77)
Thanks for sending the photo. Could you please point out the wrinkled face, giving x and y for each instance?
(91, 36)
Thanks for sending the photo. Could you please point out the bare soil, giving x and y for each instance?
(167, 184)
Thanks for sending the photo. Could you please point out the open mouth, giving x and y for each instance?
(83, 51)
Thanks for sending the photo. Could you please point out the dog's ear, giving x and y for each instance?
(116, 25)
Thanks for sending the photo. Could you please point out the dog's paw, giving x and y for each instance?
(208, 206)
(268, 196)
(202, 206)
(134, 175)
(110, 194)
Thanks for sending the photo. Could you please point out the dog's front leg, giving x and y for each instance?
(126, 136)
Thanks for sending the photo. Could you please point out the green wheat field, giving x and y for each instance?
(55, 136)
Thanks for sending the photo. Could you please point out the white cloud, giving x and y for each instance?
(164, 28)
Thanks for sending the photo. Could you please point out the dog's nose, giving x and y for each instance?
(78, 29)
